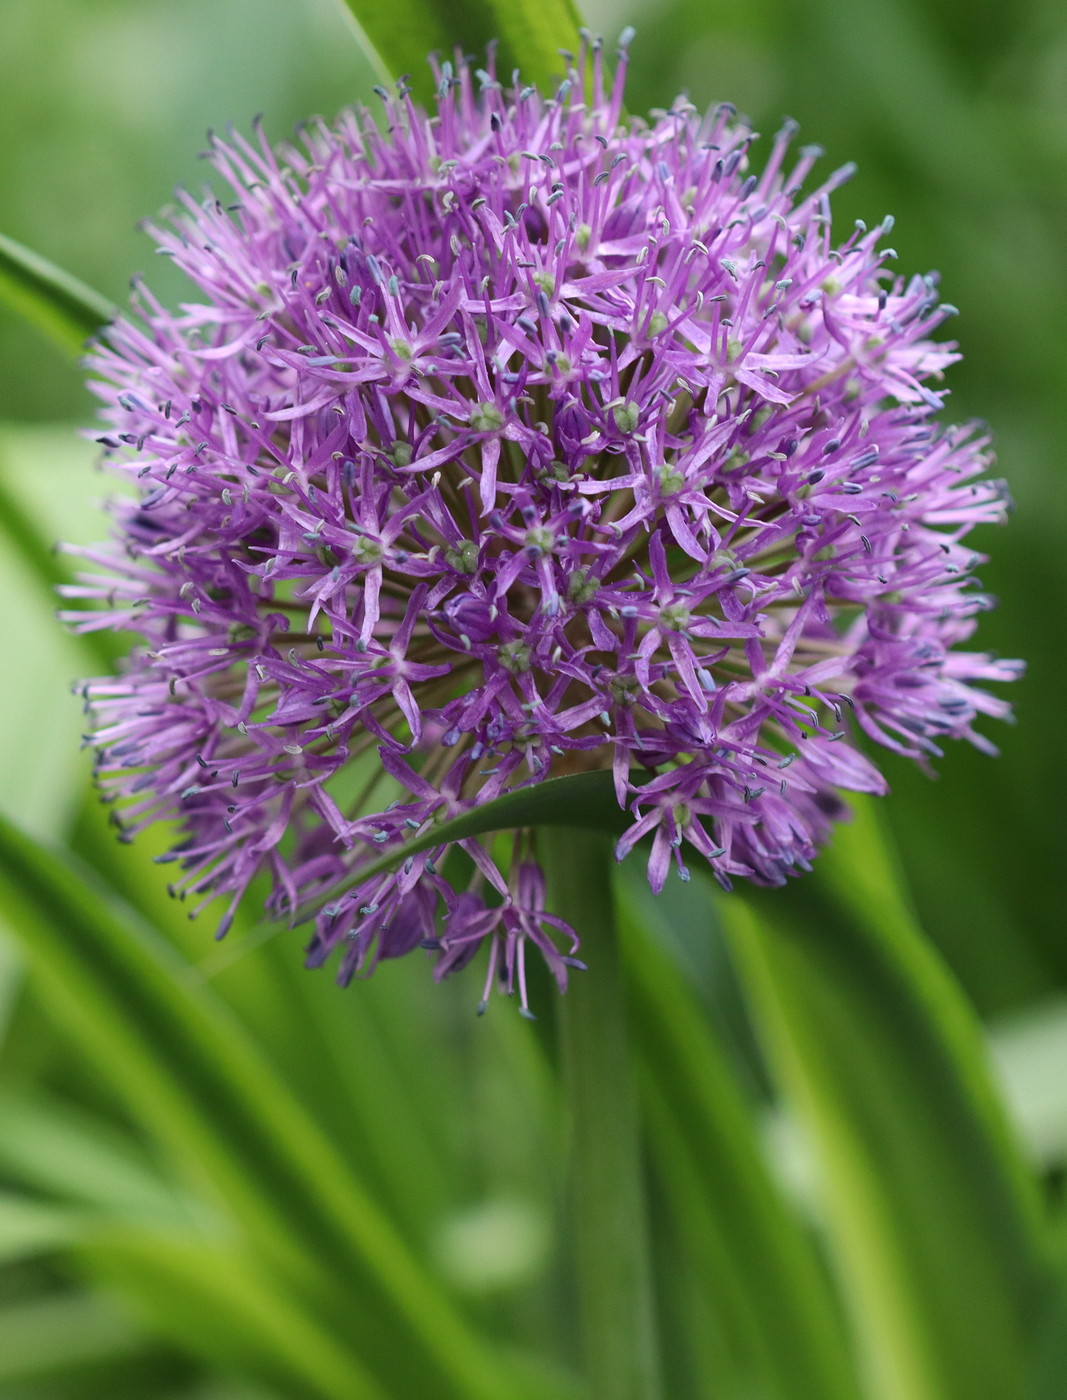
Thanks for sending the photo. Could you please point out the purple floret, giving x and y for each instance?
(517, 441)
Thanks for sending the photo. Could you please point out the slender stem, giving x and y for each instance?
(606, 1192)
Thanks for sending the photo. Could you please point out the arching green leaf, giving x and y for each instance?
(579, 799)
(60, 305)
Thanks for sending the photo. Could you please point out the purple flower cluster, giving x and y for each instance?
(516, 441)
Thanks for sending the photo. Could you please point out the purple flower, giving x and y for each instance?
(520, 441)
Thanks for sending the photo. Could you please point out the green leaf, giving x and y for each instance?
(1050, 1354)
(53, 1148)
(580, 799)
(221, 1308)
(1029, 1050)
(29, 545)
(931, 1211)
(63, 307)
(529, 34)
(750, 1255)
(198, 1084)
(28, 1227)
(62, 1332)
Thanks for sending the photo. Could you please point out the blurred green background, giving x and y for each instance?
(956, 113)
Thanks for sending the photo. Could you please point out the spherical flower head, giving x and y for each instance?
(515, 441)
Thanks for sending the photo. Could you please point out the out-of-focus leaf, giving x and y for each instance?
(1050, 1353)
(219, 1307)
(751, 1257)
(39, 720)
(28, 1227)
(199, 1086)
(10, 984)
(529, 34)
(61, 1332)
(65, 1152)
(222, 1307)
(930, 1209)
(1029, 1054)
(28, 544)
(59, 304)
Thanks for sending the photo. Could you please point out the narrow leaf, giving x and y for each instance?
(582, 799)
(46, 1336)
(29, 1227)
(608, 1214)
(931, 1213)
(529, 35)
(751, 1257)
(62, 1151)
(223, 1309)
(57, 303)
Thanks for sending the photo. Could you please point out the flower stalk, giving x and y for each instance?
(605, 1188)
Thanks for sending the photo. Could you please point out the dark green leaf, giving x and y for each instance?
(529, 33)
(751, 1258)
(580, 799)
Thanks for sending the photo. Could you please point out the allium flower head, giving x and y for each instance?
(516, 441)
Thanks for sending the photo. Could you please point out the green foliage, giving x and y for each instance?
(528, 33)
(749, 1255)
(52, 299)
(924, 1184)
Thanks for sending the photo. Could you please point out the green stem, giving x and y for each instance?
(606, 1192)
